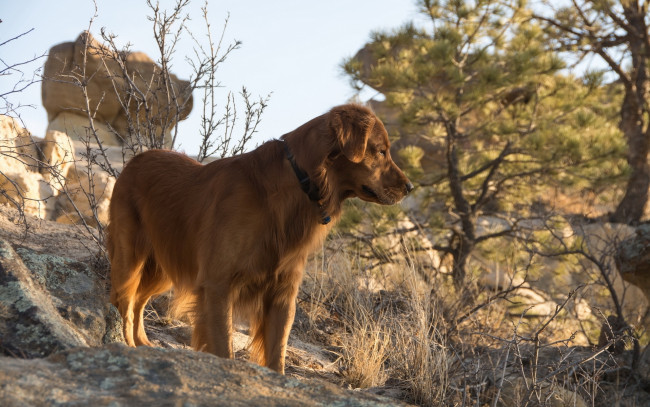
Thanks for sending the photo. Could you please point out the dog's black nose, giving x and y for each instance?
(409, 187)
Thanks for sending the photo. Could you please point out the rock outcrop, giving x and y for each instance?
(50, 303)
(432, 157)
(123, 89)
(66, 176)
(21, 183)
(118, 375)
(633, 259)
(49, 177)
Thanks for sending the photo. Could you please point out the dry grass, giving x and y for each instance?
(394, 330)
(365, 351)
(419, 357)
(388, 327)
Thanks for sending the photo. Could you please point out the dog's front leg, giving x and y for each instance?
(280, 317)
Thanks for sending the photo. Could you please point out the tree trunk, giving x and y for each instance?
(460, 253)
(632, 206)
(633, 120)
(464, 240)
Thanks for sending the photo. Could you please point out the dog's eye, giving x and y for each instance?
(382, 153)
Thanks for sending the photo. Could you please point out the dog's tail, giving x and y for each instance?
(256, 347)
(183, 306)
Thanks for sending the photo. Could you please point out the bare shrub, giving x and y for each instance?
(396, 324)
(152, 103)
(15, 79)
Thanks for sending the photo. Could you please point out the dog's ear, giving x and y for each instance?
(351, 125)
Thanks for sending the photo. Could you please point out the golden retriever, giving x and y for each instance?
(233, 236)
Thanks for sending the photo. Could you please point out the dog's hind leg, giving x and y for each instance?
(128, 252)
(153, 281)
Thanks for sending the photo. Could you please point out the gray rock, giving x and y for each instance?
(633, 259)
(116, 375)
(49, 303)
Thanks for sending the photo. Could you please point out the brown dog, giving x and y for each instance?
(234, 235)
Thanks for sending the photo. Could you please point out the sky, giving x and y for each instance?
(291, 49)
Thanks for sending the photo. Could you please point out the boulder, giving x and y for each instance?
(44, 236)
(430, 162)
(429, 140)
(49, 303)
(28, 191)
(633, 259)
(77, 126)
(21, 183)
(58, 155)
(85, 199)
(118, 375)
(108, 76)
(18, 147)
(50, 179)
(527, 302)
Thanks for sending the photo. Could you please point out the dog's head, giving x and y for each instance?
(362, 164)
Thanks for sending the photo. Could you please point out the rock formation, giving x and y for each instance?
(633, 259)
(51, 303)
(21, 183)
(123, 90)
(63, 176)
(118, 375)
(431, 159)
(49, 177)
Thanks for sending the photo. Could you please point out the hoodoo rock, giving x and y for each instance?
(123, 90)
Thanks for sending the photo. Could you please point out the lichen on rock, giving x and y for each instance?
(49, 303)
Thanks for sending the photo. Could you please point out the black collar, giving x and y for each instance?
(306, 185)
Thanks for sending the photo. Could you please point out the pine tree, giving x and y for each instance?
(482, 82)
(618, 33)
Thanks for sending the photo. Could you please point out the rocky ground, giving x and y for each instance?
(117, 375)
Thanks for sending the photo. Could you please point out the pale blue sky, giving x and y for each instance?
(291, 48)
